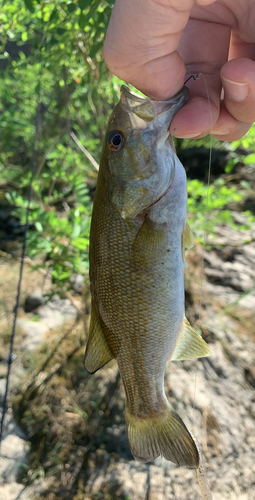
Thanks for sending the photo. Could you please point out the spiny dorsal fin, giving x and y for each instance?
(190, 344)
(97, 352)
(187, 242)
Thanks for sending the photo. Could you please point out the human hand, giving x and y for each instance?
(153, 44)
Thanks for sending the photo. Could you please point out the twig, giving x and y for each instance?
(78, 309)
(85, 151)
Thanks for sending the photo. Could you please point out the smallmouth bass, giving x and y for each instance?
(137, 253)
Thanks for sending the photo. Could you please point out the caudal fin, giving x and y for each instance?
(167, 436)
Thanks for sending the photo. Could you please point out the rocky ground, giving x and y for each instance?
(215, 396)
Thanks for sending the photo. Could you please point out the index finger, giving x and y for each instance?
(204, 49)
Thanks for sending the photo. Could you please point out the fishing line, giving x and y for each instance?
(11, 356)
(201, 475)
(205, 234)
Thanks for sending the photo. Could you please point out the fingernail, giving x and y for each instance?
(190, 136)
(236, 91)
(224, 131)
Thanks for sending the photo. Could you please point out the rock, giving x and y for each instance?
(11, 491)
(33, 300)
(78, 283)
(56, 312)
(2, 389)
(14, 452)
(230, 270)
(51, 315)
(10, 426)
(50, 318)
(34, 332)
(64, 306)
(3, 370)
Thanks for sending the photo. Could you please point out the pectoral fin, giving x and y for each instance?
(187, 242)
(190, 344)
(149, 243)
(97, 352)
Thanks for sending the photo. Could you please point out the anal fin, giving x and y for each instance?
(190, 344)
(97, 352)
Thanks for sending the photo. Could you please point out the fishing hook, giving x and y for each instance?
(195, 77)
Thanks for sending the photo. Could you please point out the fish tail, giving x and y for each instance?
(166, 435)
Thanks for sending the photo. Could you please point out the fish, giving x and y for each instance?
(138, 237)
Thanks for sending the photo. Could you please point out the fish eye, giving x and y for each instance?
(116, 140)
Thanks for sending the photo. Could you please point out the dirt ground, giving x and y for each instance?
(75, 423)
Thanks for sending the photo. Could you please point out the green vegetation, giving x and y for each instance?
(53, 73)
(207, 206)
(60, 80)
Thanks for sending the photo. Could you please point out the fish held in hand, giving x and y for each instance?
(138, 238)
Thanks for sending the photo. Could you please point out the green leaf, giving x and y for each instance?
(38, 226)
(245, 184)
(54, 15)
(80, 243)
(250, 159)
(76, 231)
(83, 4)
(29, 5)
(82, 21)
(38, 88)
(9, 198)
(95, 48)
(24, 36)
(71, 7)
(58, 275)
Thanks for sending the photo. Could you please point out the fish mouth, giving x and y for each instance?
(132, 96)
(148, 109)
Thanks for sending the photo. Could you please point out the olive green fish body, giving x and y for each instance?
(138, 237)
